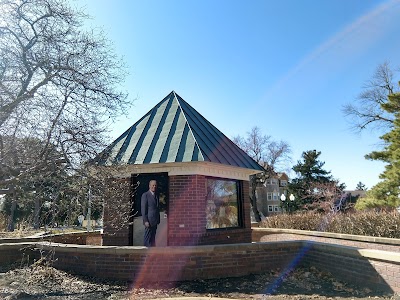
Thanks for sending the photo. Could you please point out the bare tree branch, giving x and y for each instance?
(366, 111)
(59, 89)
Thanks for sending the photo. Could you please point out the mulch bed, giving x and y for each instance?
(44, 282)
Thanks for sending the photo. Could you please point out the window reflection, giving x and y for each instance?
(222, 203)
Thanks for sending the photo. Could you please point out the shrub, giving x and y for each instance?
(3, 222)
(371, 223)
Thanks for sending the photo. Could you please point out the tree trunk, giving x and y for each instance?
(11, 225)
(253, 199)
(36, 214)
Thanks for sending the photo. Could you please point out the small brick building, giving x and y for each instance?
(203, 178)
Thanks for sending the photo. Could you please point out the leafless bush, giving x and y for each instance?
(3, 222)
(302, 220)
(371, 223)
(368, 223)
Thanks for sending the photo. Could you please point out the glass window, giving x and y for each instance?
(283, 183)
(222, 208)
(269, 196)
(270, 208)
(274, 181)
(275, 196)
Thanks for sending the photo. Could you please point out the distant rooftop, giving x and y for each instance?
(171, 132)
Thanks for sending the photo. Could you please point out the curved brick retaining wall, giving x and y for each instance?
(364, 266)
(141, 264)
(368, 242)
(79, 237)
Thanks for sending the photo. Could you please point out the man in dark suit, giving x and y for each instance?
(150, 214)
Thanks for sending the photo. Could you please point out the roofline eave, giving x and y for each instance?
(185, 168)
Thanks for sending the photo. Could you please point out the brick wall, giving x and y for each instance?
(374, 269)
(186, 220)
(369, 268)
(141, 265)
(186, 215)
(80, 238)
(368, 261)
(16, 255)
(277, 235)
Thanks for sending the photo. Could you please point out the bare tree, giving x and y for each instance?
(255, 144)
(59, 86)
(58, 83)
(263, 149)
(278, 155)
(367, 110)
(267, 153)
(326, 197)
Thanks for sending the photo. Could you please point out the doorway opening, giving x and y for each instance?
(139, 185)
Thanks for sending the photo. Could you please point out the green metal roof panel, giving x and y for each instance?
(215, 144)
(132, 141)
(161, 138)
(172, 146)
(173, 131)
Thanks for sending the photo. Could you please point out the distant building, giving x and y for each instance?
(356, 193)
(269, 194)
(351, 196)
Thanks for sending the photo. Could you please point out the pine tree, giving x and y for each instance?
(387, 192)
(314, 186)
(311, 170)
(361, 186)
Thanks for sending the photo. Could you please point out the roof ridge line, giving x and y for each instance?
(177, 97)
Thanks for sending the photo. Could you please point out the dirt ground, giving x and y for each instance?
(44, 282)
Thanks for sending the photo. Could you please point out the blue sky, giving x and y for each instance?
(286, 66)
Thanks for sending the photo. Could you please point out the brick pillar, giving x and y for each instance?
(186, 220)
(246, 204)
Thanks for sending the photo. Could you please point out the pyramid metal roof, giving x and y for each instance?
(173, 131)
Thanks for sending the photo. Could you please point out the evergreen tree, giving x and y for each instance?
(311, 169)
(386, 193)
(360, 186)
(313, 187)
